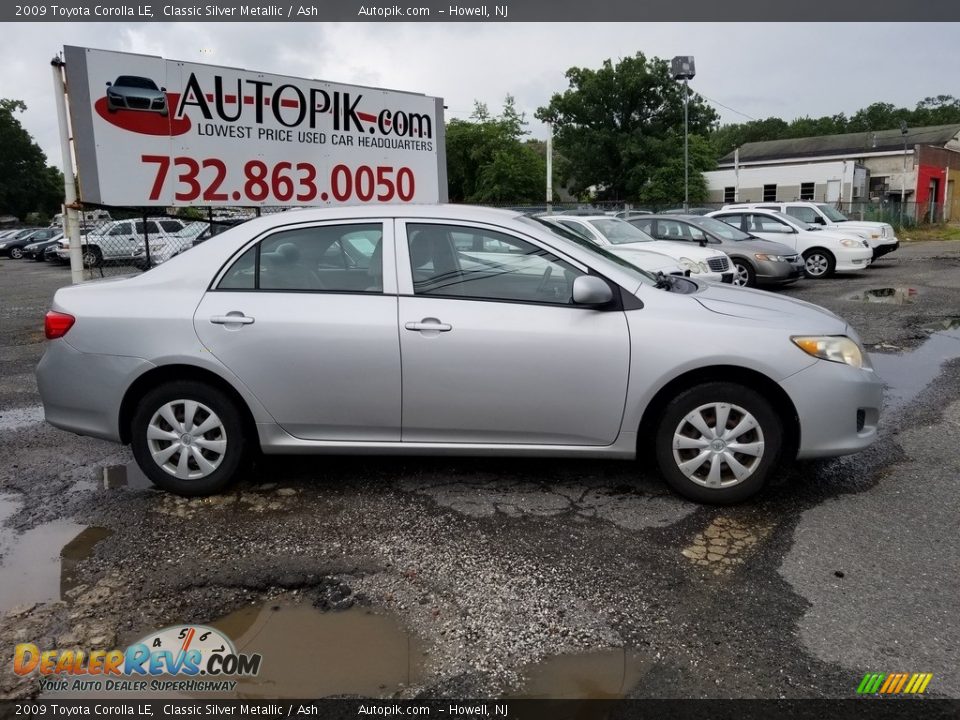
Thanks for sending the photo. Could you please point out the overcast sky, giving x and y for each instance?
(758, 69)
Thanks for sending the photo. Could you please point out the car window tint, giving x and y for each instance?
(122, 229)
(495, 266)
(734, 220)
(333, 258)
(644, 224)
(242, 275)
(673, 230)
(171, 226)
(765, 223)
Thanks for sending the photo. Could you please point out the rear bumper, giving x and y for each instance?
(82, 392)
(838, 407)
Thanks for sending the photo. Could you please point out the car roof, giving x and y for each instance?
(437, 211)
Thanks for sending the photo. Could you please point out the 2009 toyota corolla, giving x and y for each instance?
(447, 330)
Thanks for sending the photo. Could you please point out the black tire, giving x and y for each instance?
(92, 256)
(818, 263)
(16, 253)
(731, 490)
(744, 272)
(235, 455)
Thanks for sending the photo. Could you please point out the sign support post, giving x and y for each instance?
(71, 217)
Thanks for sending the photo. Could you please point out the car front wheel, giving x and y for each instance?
(92, 257)
(743, 274)
(188, 438)
(718, 442)
(16, 253)
(818, 263)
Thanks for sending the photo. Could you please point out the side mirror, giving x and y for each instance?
(163, 89)
(109, 83)
(819, 220)
(591, 290)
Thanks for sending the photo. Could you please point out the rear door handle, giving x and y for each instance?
(429, 325)
(231, 318)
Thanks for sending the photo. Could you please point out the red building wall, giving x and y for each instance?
(924, 174)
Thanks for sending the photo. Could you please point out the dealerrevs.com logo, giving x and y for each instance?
(181, 658)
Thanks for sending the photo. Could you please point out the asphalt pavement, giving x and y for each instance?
(437, 577)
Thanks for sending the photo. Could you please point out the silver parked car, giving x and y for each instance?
(382, 330)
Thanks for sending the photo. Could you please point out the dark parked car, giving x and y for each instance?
(755, 261)
(37, 250)
(131, 92)
(13, 246)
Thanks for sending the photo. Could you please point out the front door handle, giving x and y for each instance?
(429, 325)
(232, 318)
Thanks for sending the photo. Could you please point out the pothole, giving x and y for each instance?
(41, 564)
(723, 543)
(887, 295)
(907, 374)
(607, 674)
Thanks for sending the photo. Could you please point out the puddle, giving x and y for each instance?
(9, 504)
(40, 565)
(599, 675)
(888, 296)
(941, 325)
(907, 374)
(310, 653)
(125, 476)
(17, 418)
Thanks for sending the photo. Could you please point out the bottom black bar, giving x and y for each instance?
(882, 708)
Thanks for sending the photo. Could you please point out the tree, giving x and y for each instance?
(619, 126)
(27, 183)
(488, 162)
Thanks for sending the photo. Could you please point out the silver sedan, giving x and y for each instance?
(447, 330)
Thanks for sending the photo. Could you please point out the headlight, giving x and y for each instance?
(688, 264)
(2, 246)
(835, 348)
(853, 243)
(770, 258)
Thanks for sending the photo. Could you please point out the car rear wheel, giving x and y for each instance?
(188, 438)
(818, 263)
(718, 442)
(16, 253)
(743, 274)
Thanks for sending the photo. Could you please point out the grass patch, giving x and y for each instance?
(932, 232)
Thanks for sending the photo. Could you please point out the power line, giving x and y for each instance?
(725, 107)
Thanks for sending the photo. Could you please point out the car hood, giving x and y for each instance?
(672, 249)
(648, 260)
(758, 245)
(765, 306)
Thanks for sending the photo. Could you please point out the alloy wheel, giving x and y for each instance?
(741, 278)
(817, 265)
(16, 253)
(718, 445)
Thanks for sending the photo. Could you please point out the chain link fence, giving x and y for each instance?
(122, 241)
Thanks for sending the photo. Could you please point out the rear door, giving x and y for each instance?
(493, 349)
(771, 228)
(315, 339)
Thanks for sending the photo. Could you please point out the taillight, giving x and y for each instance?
(56, 324)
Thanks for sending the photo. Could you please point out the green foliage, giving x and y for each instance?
(939, 110)
(192, 213)
(665, 186)
(620, 128)
(488, 162)
(27, 183)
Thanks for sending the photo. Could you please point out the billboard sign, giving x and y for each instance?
(154, 132)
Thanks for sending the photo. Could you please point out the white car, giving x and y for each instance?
(823, 251)
(623, 239)
(123, 240)
(649, 260)
(880, 235)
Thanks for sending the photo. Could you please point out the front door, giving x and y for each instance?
(493, 349)
(307, 319)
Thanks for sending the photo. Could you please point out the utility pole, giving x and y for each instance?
(549, 168)
(682, 68)
(903, 177)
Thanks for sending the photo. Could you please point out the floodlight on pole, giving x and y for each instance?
(682, 68)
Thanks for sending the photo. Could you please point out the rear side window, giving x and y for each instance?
(328, 258)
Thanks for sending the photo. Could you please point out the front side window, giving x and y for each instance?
(768, 224)
(802, 213)
(832, 213)
(329, 258)
(495, 266)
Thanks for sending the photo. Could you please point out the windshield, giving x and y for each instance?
(618, 231)
(721, 229)
(132, 81)
(832, 213)
(642, 276)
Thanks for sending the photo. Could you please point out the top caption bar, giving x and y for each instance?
(859, 11)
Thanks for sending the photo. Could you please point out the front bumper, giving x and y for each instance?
(853, 259)
(778, 273)
(880, 250)
(718, 277)
(838, 407)
(82, 392)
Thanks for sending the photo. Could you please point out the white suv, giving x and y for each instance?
(123, 240)
(881, 236)
(823, 251)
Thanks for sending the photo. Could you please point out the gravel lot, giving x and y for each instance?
(411, 577)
